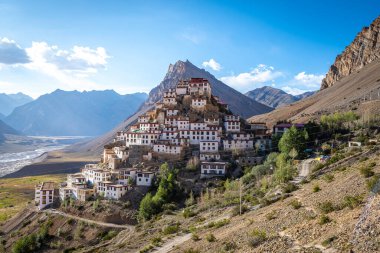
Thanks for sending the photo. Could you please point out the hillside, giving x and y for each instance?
(74, 113)
(274, 97)
(5, 129)
(352, 83)
(363, 50)
(8, 102)
(238, 103)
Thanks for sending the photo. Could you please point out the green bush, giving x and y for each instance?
(236, 210)
(328, 241)
(156, 241)
(363, 159)
(257, 237)
(326, 207)
(316, 188)
(324, 219)
(366, 171)
(111, 234)
(271, 215)
(288, 188)
(187, 213)
(295, 204)
(352, 201)
(210, 238)
(195, 237)
(372, 182)
(328, 178)
(218, 224)
(170, 229)
(229, 246)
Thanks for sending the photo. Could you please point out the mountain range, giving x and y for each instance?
(274, 97)
(8, 102)
(351, 84)
(85, 113)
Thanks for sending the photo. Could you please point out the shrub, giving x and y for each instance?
(236, 210)
(372, 164)
(191, 200)
(187, 213)
(146, 248)
(170, 229)
(295, 204)
(288, 188)
(271, 215)
(191, 250)
(257, 237)
(372, 182)
(324, 219)
(316, 188)
(229, 246)
(363, 159)
(366, 171)
(318, 167)
(326, 207)
(156, 241)
(352, 201)
(328, 178)
(195, 237)
(328, 241)
(210, 238)
(111, 234)
(218, 224)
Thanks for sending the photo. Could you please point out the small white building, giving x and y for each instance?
(126, 175)
(209, 156)
(229, 145)
(143, 119)
(211, 121)
(232, 123)
(169, 101)
(171, 112)
(183, 123)
(198, 103)
(167, 148)
(144, 178)
(44, 194)
(210, 169)
(182, 88)
(111, 190)
(208, 146)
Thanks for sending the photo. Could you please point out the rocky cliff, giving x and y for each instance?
(238, 103)
(363, 50)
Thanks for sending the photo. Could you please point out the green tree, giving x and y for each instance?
(293, 139)
(147, 207)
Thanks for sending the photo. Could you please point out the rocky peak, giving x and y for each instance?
(181, 70)
(363, 50)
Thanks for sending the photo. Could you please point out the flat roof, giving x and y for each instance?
(47, 186)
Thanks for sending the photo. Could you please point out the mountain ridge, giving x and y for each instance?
(61, 112)
(8, 102)
(274, 97)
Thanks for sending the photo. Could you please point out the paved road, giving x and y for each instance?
(103, 224)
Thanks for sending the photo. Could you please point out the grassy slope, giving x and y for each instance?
(286, 227)
(15, 193)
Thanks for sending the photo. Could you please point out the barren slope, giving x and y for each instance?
(349, 93)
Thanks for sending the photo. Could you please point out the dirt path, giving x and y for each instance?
(303, 171)
(104, 224)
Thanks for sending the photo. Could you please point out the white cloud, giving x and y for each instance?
(260, 75)
(214, 65)
(11, 53)
(309, 80)
(293, 91)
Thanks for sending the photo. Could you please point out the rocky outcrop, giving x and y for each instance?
(238, 103)
(363, 50)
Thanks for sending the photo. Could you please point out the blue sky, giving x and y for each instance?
(128, 45)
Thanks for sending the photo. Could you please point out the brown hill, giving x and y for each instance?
(357, 92)
(363, 50)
